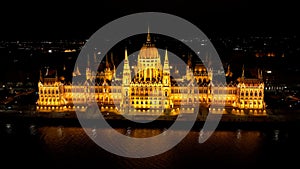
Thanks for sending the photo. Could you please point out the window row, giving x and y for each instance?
(49, 92)
(251, 93)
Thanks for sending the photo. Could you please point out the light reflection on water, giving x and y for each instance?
(71, 147)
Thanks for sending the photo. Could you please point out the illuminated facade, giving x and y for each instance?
(149, 88)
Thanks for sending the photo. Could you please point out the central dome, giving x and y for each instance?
(148, 50)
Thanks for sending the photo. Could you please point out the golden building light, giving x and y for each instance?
(150, 90)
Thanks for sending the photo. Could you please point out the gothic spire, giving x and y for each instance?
(126, 62)
(126, 70)
(259, 74)
(228, 73)
(243, 72)
(148, 35)
(112, 59)
(41, 76)
(107, 63)
(166, 63)
(88, 61)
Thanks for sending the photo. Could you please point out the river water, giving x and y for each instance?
(55, 146)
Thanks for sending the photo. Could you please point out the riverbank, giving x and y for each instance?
(227, 121)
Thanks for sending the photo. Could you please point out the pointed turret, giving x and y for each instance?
(113, 64)
(126, 85)
(112, 59)
(166, 81)
(74, 74)
(77, 71)
(56, 76)
(41, 76)
(107, 63)
(243, 72)
(166, 63)
(126, 70)
(95, 57)
(189, 72)
(166, 70)
(176, 71)
(189, 62)
(259, 74)
(228, 73)
(88, 65)
(47, 71)
(88, 71)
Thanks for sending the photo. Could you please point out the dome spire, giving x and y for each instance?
(148, 35)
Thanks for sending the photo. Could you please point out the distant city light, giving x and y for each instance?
(49, 51)
(269, 71)
(69, 50)
(8, 125)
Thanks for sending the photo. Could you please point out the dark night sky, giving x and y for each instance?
(71, 19)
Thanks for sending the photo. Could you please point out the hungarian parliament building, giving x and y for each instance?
(150, 89)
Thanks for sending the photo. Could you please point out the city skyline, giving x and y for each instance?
(278, 54)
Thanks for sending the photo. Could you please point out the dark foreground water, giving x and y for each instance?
(68, 146)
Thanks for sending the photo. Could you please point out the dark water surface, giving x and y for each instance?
(68, 146)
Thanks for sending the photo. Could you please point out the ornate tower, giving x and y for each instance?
(126, 84)
(166, 71)
(166, 82)
(189, 72)
(88, 71)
